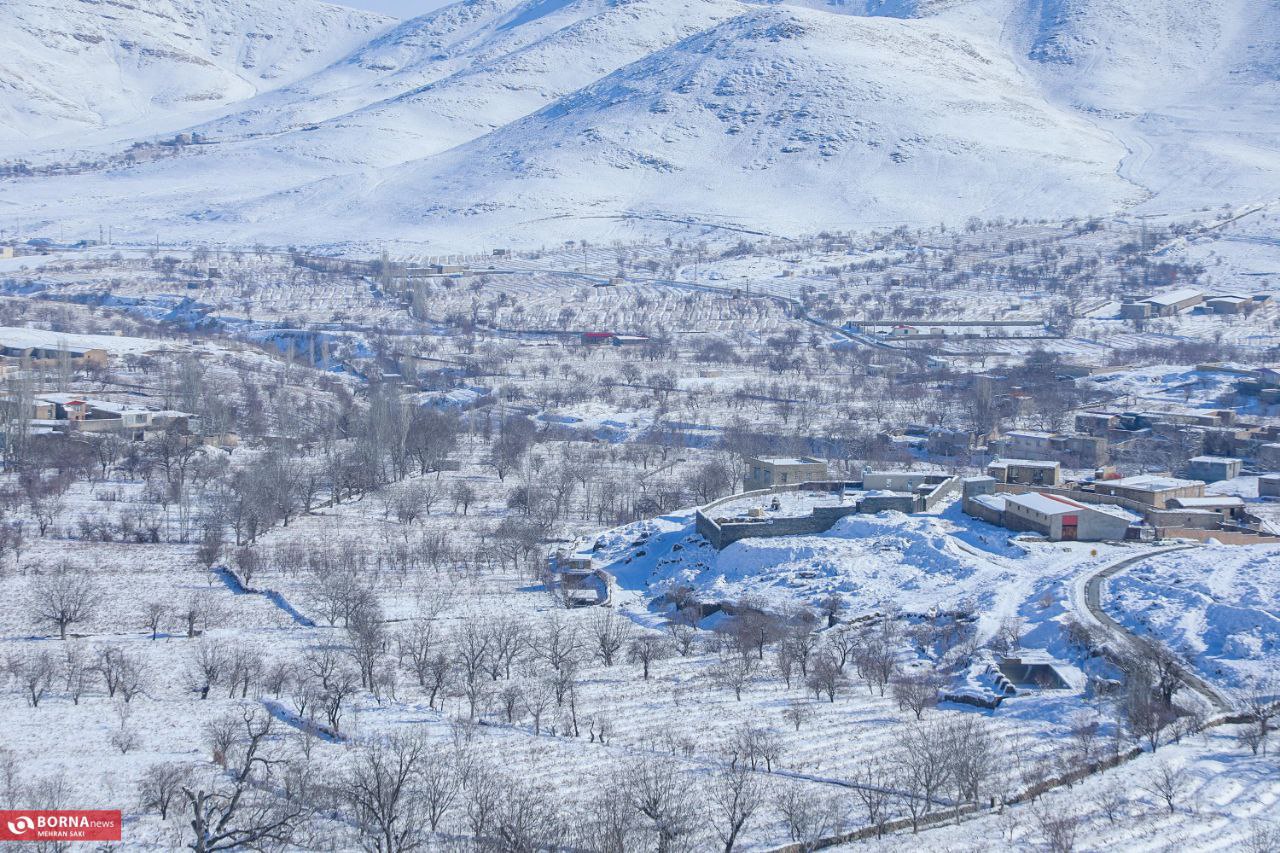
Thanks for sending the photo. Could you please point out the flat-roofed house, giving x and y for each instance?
(1062, 519)
(1269, 486)
(764, 472)
(1150, 489)
(1212, 469)
(1027, 472)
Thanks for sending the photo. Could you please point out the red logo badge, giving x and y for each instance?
(33, 825)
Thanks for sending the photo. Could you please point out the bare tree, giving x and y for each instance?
(735, 796)
(160, 785)
(659, 792)
(825, 676)
(797, 713)
(809, 819)
(1168, 782)
(35, 671)
(155, 615)
(916, 692)
(234, 811)
(1058, 824)
(645, 649)
(382, 789)
(610, 633)
(64, 598)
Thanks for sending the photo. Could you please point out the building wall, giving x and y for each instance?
(894, 481)
(1100, 527)
(1154, 499)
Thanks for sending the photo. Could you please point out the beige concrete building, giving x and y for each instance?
(1026, 472)
(764, 472)
(1150, 489)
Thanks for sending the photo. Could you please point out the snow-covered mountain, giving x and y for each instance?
(500, 121)
(84, 65)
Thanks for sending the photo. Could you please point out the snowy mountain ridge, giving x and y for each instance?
(508, 121)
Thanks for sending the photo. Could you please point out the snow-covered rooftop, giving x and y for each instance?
(20, 336)
(1218, 501)
(1173, 296)
(1025, 463)
(1046, 504)
(1153, 483)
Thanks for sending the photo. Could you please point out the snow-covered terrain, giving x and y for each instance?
(1220, 604)
(71, 69)
(497, 122)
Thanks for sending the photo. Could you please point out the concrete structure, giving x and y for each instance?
(1269, 486)
(1149, 489)
(721, 524)
(1030, 472)
(86, 414)
(1055, 517)
(1076, 451)
(767, 471)
(6, 252)
(1162, 304)
(1213, 469)
(1225, 507)
(1230, 304)
(50, 356)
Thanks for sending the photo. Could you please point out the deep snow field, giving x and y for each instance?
(1219, 605)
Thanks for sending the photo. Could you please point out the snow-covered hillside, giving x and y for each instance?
(71, 66)
(524, 121)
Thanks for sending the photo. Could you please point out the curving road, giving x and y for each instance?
(1087, 598)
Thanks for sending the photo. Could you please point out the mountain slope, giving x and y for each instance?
(780, 116)
(82, 65)
(501, 121)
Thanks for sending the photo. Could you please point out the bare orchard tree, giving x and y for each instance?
(825, 676)
(644, 649)
(155, 615)
(610, 633)
(1167, 782)
(382, 787)
(656, 789)
(916, 692)
(237, 810)
(35, 670)
(808, 819)
(734, 797)
(1059, 824)
(64, 598)
(160, 787)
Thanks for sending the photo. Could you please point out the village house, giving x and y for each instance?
(1061, 519)
(1027, 472)
(1162, 304)
(1230, 303)
(85, 414)
(1053, 516)
(1213, 469)
(764, 472)
(20, 352)
(1228, 507)
(1076, 451)
(1269, 486)
(1149, 489)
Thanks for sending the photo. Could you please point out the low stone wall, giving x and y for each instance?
(819, 520)
(1226, 537)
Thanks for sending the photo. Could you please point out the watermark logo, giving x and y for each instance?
(64, 825)
(21, 825)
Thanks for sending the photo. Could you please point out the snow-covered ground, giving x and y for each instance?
(1219, 605)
